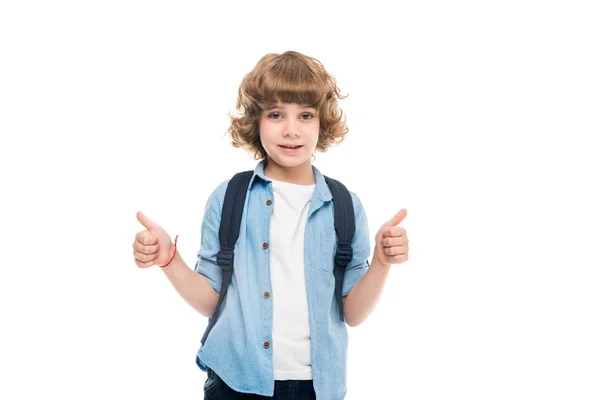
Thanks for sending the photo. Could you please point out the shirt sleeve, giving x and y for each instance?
(209, 246)
(361, 248)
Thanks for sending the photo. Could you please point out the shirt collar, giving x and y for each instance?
(321, 187)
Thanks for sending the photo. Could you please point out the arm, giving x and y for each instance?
(364, 296)
(193, 287)
(200, 286)
(391, 247)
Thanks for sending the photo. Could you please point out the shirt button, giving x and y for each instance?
(266, 345)
(267, 295)
(265, 245)
(269, 202)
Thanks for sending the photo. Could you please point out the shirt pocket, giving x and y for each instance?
(327, 249)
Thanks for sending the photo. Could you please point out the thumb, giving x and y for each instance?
(397, 218)
(145, 221)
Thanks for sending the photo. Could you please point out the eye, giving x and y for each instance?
(274, 115)
(306, 116)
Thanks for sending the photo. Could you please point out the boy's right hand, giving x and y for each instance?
(152, 246)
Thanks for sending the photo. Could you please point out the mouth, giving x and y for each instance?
(290, 150)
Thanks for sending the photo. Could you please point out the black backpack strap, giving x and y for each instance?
(344, 228)
(231, 217)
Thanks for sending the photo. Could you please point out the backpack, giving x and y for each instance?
(229, 230)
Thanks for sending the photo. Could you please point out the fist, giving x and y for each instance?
(391, 242)
(151, 246)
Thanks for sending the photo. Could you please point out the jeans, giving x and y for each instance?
(216, 389)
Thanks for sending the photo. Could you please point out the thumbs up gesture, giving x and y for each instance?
(152, 246)
(391, 242)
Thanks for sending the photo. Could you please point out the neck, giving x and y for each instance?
(301, 175)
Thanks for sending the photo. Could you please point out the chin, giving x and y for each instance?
(290, 162)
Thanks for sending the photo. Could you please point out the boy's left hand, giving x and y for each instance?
(391, 242)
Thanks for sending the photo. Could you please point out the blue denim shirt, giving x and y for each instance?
(236, 347)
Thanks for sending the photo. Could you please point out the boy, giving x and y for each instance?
(278, 332)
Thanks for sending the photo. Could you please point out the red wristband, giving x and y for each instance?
(173, 256)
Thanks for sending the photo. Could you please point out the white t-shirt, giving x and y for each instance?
(291, 334)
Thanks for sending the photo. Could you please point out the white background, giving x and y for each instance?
(480, 118)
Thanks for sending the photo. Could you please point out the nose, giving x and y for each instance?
(290, 127)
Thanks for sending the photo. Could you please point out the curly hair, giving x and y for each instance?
(290, 77)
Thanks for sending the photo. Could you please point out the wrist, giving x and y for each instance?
(376, 264)
(172, 251)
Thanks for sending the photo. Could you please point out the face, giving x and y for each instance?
(289, 133)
